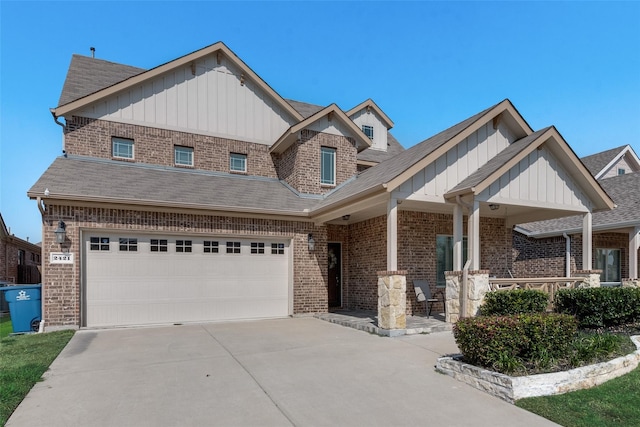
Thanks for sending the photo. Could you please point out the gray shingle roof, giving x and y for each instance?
(384, 172)
(500, 159)
(305, 110)
(88, 75)
(84, 177)
(625, 192)
(596, 162)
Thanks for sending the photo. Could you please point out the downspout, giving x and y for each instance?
(567, 254)
(64, 129)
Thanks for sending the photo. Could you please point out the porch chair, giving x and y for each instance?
(423, 294)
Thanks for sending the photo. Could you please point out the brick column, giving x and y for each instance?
(392, 299)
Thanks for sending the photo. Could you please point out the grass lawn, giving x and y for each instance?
(23, 360)
(5, 326)
(614, 403)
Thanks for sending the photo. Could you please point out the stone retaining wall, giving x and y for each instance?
(514, 388)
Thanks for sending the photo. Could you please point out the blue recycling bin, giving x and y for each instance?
(24, 307)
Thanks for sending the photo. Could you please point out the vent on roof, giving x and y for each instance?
(93, 51)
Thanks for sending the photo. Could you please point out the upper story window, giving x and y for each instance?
(368, 130)
(621, 171)
(238, 162)
(327, 166)
(183, 156)
(122, 148)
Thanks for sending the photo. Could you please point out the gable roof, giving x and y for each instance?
(599, 163)
(625, 192)
(105, 180)
(369, 104)
(515, 152)
(219, 48)
(88, 75)
(291, 135)
(391, 173)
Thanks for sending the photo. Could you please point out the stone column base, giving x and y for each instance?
(631, 283)
(477, 288)
(392, 299)
(590, 278)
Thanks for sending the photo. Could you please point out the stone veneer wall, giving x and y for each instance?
(62, 282)
(392, 299)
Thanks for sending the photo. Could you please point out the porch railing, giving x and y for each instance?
(548, 285)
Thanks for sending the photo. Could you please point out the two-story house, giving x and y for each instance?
(193, 191)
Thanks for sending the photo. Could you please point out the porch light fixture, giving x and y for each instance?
(311, 242)
(346, 217)
(494, 207)
(61, 232)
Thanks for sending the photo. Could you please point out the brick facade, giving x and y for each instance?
(62, 291)
(19, 261)
(299, 165)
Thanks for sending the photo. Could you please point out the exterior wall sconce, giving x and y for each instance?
(311, 242)
(494, 207)
(61, 232)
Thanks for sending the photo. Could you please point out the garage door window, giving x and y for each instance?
(257, 248)
(233, 247)
(277, 248)
(210, 247)
(158, 245)
(99, 244)
(128, 245)
(183, 245)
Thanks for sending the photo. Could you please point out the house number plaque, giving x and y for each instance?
(61, 258)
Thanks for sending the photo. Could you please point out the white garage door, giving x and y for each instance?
(153, 279)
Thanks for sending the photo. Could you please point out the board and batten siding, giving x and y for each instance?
(439, 177)
(332, 127)
(371, 118)
(620, 164)
(538, 180)
(212, 101)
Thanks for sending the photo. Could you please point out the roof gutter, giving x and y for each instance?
(59, 123)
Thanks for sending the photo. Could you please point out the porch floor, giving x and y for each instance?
(368, 321)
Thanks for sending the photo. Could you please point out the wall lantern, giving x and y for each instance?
(61, 232)
(311, 242)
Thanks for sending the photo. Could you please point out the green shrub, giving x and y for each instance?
(503, 343)
(600, 307)
(514, 302)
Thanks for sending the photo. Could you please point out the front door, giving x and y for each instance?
(335, 274)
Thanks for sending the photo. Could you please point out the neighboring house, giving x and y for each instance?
(195, 192)
(19, 259)
(554, 247)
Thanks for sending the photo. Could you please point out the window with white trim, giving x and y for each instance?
(99, 243)
(257, 248)
(183, 245)
(368, 130)
(277, 248)
(238, 162)
(158, 245)
(183, 155)
(327, 166)
(608, 260)
(128, 244)
(122, 148)
(621, 171)
(210, 247)
(233, 247)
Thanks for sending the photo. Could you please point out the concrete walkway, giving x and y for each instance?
(284, 372)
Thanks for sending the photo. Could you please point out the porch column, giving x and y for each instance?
(457, 237)
(474, 236)
(634, 245)
(392, 235)
(587, 246)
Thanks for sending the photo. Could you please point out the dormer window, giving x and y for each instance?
(327, 166)
(368, 130)
(621, 171)
(122, 148)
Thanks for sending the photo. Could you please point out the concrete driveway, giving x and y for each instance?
(284, 372)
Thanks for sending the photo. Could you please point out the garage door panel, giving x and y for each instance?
(145, 287)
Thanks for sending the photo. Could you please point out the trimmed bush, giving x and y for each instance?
(600, 307)
(501, 303)
(504, 343)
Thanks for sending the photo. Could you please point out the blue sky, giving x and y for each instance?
(428, 65)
